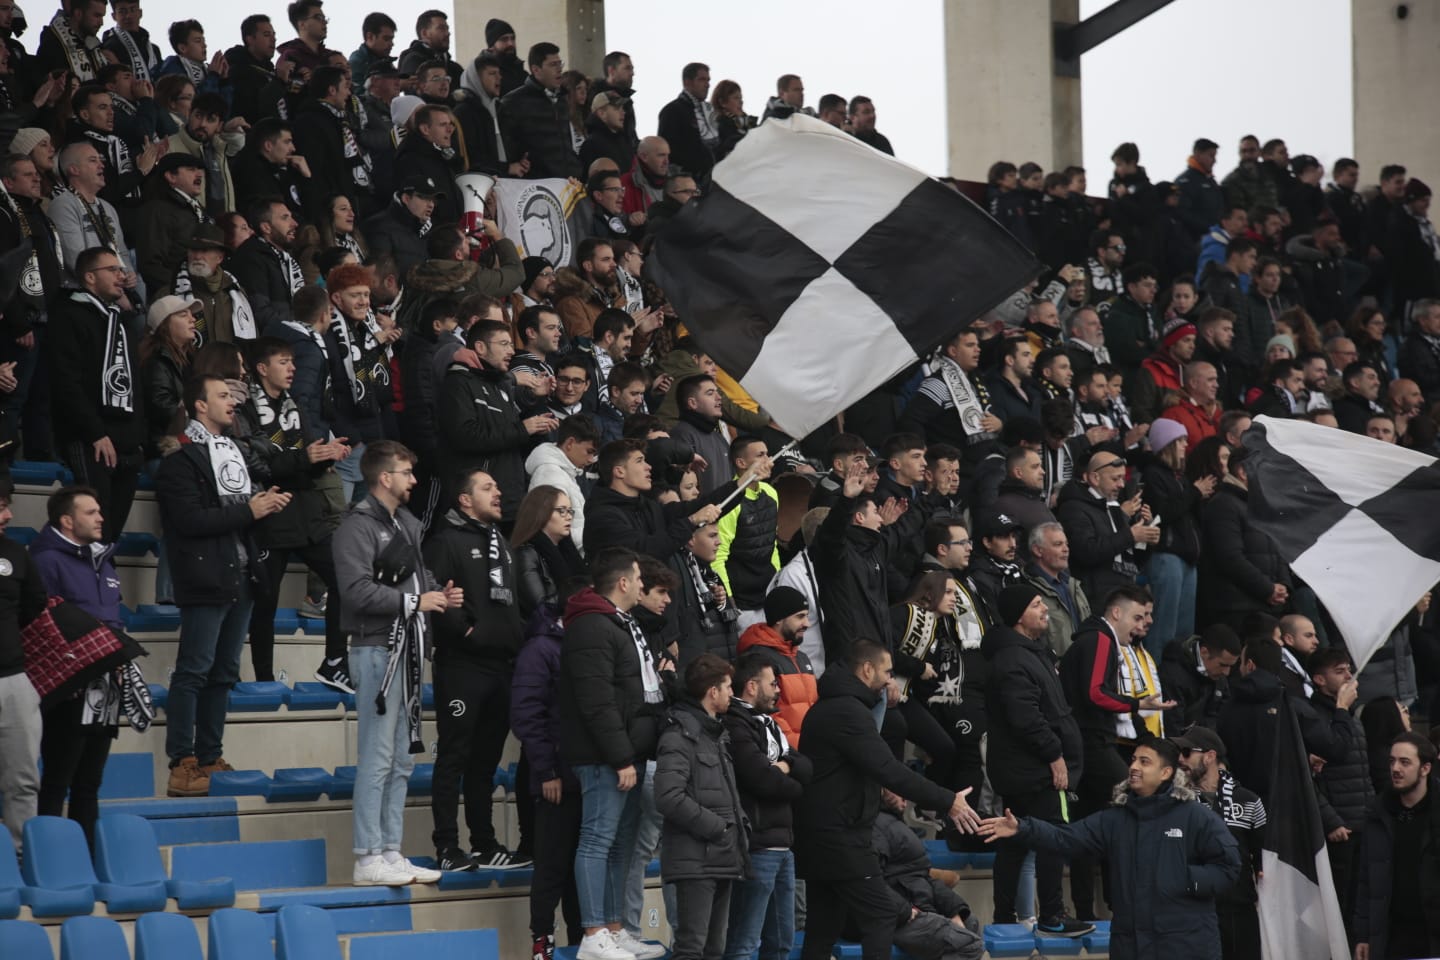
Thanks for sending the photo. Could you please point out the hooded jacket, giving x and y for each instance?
(1030, 723)
(369, 607)
(481, 128)
(1198, 698)
(601, 141)
(486, 631)
(766, 792)
(398, 232)
(547, 465)
(1102, 549)
(1239, 563)
(82, 574)
(1169, 858)
(1022, 503)
(535, 699)
(480, 429)
(798, 687)
(706, 831)
(1249, 724)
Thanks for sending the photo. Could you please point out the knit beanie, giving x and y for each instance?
(533, 266)
(1415, 189)
(784, 602)
(1164, 432)
(1282, 340)
(1176, 330)
(496, 29)
(28, 139)
(1013, 601)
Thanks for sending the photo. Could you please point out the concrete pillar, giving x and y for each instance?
(577, 27)
(1004, 99)
(1395, 79)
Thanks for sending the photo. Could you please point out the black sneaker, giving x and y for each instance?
(1064, 927)
(454, 860)
(336, 674)
(499, 859)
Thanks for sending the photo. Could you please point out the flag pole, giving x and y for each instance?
(749, 478)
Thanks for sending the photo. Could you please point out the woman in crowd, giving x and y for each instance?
(1176, 501)
(165, 360)
(173, 96)
(575, 91)
(927, 666)
(545, 554)
(729, 104)
(1367, 328)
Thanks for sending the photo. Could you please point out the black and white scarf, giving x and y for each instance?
(32, 283)
(502, 567)
(195, 206)
(122, 691)
(195, 71)
(649, 676)
(316, 337)
(242, 315)
(971, 399)
(118, 153)
(700, 582)
(359, 160)
(704, 119)
(83, 55)
(348, 241)
(100, 222)
(366, 361)
(293, 274)
(397, 566)
(279, 417)
(232, 477)
(140, 64)
(117, 382)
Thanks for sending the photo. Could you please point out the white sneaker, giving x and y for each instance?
(601, 945)
(637, 948)
(382, 874)
(418, 874)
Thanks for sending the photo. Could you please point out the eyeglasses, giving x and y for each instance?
(500, 344)
(564, 511)
(1116, 246)
(572, 381)
(615, 189)
(959, 543)
(407, 472)
(319, 18)
(116, 268)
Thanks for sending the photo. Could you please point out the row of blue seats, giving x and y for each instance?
(1018, 940)
(136, 543)
(299, 933)
(943, 858)
(260, 696)
(165, 618)
(308, 783)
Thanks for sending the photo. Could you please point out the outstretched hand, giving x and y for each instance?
(999, 828)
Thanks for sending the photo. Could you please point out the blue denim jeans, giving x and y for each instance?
(1025, 895)
(384, 762)
(207, 665)
(607, 842)
(349, 472)
(1172, 582)
(164, 584)
(762, 908)
(647, 846)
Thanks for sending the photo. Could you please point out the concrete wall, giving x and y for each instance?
(1396, 81)
(576, 26)
(1003, 100)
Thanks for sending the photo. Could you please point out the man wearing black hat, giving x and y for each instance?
(227, 315)
(500, 41)
(995, 565)
(1034, 755)
(1202, 757)
(174, 206)
(400, 231)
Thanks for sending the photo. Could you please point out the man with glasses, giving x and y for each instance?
(536, 117)
(433, 84)
(1103, 531)
(307, 51)
(1102, 270)
(608, 220)
(680, 187)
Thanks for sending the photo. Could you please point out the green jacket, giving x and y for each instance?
(1062, 629)
(1127, 334)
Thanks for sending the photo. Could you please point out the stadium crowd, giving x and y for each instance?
(1029, 559)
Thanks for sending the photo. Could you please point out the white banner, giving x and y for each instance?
(536, 215)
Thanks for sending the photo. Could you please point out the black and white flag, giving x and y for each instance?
(815, 268)
(1354, 517)
(1299, 912)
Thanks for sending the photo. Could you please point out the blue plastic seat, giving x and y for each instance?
(240, 783)
(299, 783)
(22, 535)
(59, 880)
(128, 776)
(1099, 941)
(313, 695)
(167, 936)
(505, 777)
(37, 473)
(305, 933)
(158, 695)
(287, 621)
(137, 543)
(261, 865)
(21, 938)
(471, 944)
(422, 780)
(239, 935)
(10, 884)
(342, 784)
(128, 854)
(92, 938)
(258, 695)
(1008, 940)
(943, 858)
(1058, 946)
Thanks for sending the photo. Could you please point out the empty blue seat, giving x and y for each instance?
(287, 621)
(263, 865)
(1099, 941)
(128, 776)
(10, 884)
(943, 858)
(342, 784)
(305, 933)
(137, 543)
(21, 938)
(471, 944)
(167, 936)
(422, 779)
(37, 473)
(313, 695)
(22, 535)
(298, 783)
(1058, 946)
(1008, 940)
(158, 695)
(92, 938)
(258, 695)
(427, 696)
(239, 935)
(59, 880)
(982, 861)
(127, 854)
(240, 783)
(505, 777)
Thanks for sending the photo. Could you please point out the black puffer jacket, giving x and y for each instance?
(1250, 724)
(640, 523)
(906, 863)
(418, 157)
(1343, 786)
(749, 563)
(706, 835)
(480, 429)
(396, 231)
(1239, 564)
(1177, 503)
(486, 630)
(1198, 698)
(699, 627)
(307, 518)
(1102, 551)
(536, 579)
(538, 125)
(163, 378)
(1374, 886)
(766, 792)
(1031, 724)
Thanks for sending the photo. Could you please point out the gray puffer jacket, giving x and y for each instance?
(706, 835)
(368, 606)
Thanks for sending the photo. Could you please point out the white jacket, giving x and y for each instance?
(547, 465)
(800, 574)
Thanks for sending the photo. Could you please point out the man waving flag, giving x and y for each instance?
(815, 268)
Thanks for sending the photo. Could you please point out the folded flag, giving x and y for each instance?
(815, 268)
(538, 215)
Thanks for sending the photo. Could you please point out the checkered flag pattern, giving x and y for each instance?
(1357, 519)
(815, 268)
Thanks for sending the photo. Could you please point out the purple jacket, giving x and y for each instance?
(535, 699)
(83, 575)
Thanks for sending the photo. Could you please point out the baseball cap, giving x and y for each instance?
(421, 186)
(1201, 738)
(607, 98)
(995, 523)
(165, 307)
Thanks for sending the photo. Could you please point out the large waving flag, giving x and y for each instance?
(1355, 518)
(1299, 912)
(815, 268)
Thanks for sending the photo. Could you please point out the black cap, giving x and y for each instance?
(385, 68)
(996, 523)
(1201, 738)
(421, 186)
(176, 159)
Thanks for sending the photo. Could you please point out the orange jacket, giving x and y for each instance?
(798, 689)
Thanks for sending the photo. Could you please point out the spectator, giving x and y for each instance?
(606, 133)
(86, 220)
(618, 514)
(269, 166)
(1214, 244)
(172, 212)
(26, 313)
(646, 178)
(306, 336)
(691, 125)
(431, 45)
(418, 421)
(699, 428)
(385, 593)
(500, 42)
(208, 511)
(22, 599)
(1021, 492)
(377, 45)
(263, 265)
(1298, 641)
(862, 125)
(1410, 242)
(1201, 200)
(307, 51)
(580, 303)
(538, 119)
(1361, 397)
(1342, 786)
(486, 138)
(401, 228)
(940, 924)
(1031, 727)
(1227, 280)
(429, 152)
(250, 67)
(1195, 672)
(834, 849)
(94, 123)
(770, 774)
(1420, 352)
(1177, 501)
(1103, 531)
(165, 356)
(799, 574)
(1012, 392)
(545, 555)
(702, 617)
(1367, 328)
(100, 422)
(563, 464)
(130, 42)
(75, 566)
(1198, 408)
(1131, 327)
(776, 641)
(358, 351)
(1086, 342)
(1244, 187)
(1161, 374)
(611, 704)
(1134, 202)
(929, 673)
(1255, 326)
(1241, 569)
(995, 567)
(1319, 268)
(952, 405)
(1065, 601)
(748, 554)
(213, 140)
(223, 311)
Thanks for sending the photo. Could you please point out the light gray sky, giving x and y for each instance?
(1214, 68)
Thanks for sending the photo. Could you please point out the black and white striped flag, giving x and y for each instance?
(1355, 518)
(815, 268)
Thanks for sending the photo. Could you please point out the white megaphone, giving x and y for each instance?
(474, 188)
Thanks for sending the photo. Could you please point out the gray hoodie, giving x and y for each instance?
(368, 607)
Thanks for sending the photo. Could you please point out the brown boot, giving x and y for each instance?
(947, 877)
(210, 769)
(186, 780)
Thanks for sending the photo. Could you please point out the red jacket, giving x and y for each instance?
(1197, 423)
(798, 688)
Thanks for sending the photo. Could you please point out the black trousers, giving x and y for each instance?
(320, 560)
(1105, 765)
(1049, 866)
(862, 908)
(525, 803)
(703, 908)
(964, 724)
(557, 837)
(472, 718)
(74, 758)
(1239, 931)
(114, 486)
(911, 721)
(1345, 868)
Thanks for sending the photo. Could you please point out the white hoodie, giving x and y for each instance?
(548, 465)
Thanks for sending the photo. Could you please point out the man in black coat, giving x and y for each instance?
(535, 117)
(620, 514)
(207, 511)
(1241, 570)
(1104, 531)
(400, 229)
(1035, 754)
(605, 131)
(690, 124)
(427, 152)
(701, 611)
(267, 272)
(1342, 786)
(771, 777)
(487, 139)
(836, 815)
(475, 649)
(338, 162)
(1420, 352)
(1195, 673)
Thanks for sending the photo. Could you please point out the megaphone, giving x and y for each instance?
(474, 189)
